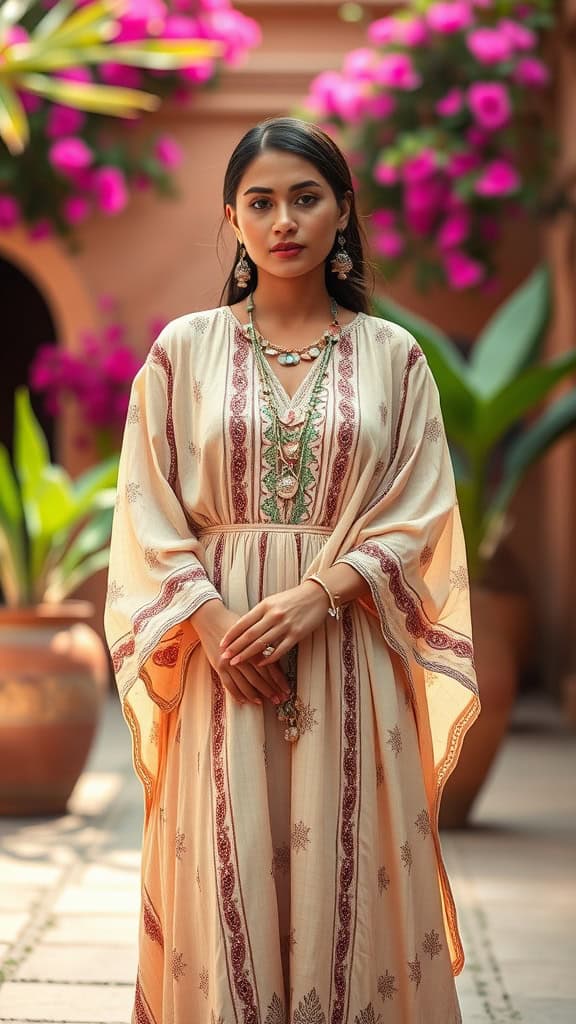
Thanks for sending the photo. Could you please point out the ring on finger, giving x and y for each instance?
(268, 650)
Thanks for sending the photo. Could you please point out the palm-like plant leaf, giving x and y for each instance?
(98, 99)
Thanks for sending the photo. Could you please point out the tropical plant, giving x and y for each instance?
(496, 421)
(61, 69)
(54, 531)
(442, 119)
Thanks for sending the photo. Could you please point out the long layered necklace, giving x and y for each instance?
(290, 427)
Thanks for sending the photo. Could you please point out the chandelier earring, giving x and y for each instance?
(341, 263)
(242, 271)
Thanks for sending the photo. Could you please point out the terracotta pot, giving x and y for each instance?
(500, 623)
(53, 679)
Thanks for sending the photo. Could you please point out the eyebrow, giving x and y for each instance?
(293, 188)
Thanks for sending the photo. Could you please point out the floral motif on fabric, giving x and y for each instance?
(368, 1016)
(406, 856)
(384, 334)
(300, 837)
(431, 944)
(133, 492)
(275, 1014)
(425, 556)
(198, 879)
(297, 510)
(179, 845)
(383, 880)
(262, 548)
(151, 558)
(281, 859)
(177, 964)
(114, 592)
(200, 324)
(154, 733)
(162, 815)
(414, 355)
(379, 468)
(383, 410)
(166, 657)
(386, 987)
(133, 414)
(346, 390)
(160, 357)
(237, 427)
(307, 719)
(196, 389)
(151, 920)
(216, 1020)
(380, 775)
(348, 838)
(433, 429)
(394, 740)
(309, 1010)
(415, 971)
(203, 982)
(423, 825)
(195, 450)
(459, 578)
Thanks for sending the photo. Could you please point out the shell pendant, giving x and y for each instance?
(288, 359)
(287, 484)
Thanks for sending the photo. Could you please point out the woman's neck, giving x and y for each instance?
(291, 302)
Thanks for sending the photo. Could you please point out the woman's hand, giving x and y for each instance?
(280, 620)
(247, 682)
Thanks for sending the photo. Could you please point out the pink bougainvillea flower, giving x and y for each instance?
(41, 230)
(181, 26)
(383, 31)
(385, 174)
(462, 271)
(9, 212)
(110, 189)
(412, 31)
(454, 230)
(324, 91)
(389, 243)
(235, 31)
(79, 74)
(15, 34)
(519, 36)
(396, 71)
(121, 76)
(499, 178)
(422, 200)
(451, 103)
(489, 45)
(141, 18)
(63, 120)
(448, 17)
(70, 154)
(462, 163)
(168, 152)
(198, 73)
(380, 106)
(420, 167)
(383, 218)
(75, 209)
(490, 104)
(360, 63)
(532, 72)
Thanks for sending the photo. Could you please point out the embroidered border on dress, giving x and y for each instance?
(349, 823)
(237, 427)
(160, 357)
(414, 355)
(345, 436)
(142, 1012)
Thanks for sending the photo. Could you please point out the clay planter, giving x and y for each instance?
(500, 624)
(53, 678)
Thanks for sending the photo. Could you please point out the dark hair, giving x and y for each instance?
(291, 135)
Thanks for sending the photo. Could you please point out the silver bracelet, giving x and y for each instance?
(334, 609)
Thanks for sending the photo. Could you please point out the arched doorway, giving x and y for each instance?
(27, 323)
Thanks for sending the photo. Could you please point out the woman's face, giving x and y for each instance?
(286, 214)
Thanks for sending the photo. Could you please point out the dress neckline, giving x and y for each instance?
(290, 400)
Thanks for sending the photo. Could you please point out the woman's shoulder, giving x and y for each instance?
(389, 334)
(193, 325)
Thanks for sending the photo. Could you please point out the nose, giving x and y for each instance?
(284, 219)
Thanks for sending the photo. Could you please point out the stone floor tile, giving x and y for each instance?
(90, 900)
(86, 964)
(11, 925)
(92, 930)
(71, 1004)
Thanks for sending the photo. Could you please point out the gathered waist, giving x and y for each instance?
(263, 528)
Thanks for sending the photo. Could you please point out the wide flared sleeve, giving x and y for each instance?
(157, 575)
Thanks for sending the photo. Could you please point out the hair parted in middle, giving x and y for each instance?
(308, 141)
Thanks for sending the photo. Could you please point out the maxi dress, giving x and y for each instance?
(292, 883)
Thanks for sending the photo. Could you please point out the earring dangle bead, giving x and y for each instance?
(242, 271)
(341, 263)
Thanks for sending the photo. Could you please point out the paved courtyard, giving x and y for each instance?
(69, 888)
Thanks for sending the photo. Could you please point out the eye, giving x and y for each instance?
(255, 205)
(307, 200)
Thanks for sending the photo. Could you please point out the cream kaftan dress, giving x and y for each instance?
(292, 884)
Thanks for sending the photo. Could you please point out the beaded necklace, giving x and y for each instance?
(291, 427)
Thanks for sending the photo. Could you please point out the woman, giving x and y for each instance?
(288, 619)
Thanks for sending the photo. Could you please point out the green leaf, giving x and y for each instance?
(448, 368)
(557, 420)
(91, 538)
(31, 454)
(13, 573)
(63, 587)
(14, 128)
(161, 55)
(53, 19)
(512, 337)
(99, 99)
(521, 397)
(12, 11)
(92, 22)
(97, 483)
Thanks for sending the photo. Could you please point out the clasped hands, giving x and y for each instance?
(280, 620)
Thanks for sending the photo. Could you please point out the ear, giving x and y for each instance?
(233, 220)
(345, 209)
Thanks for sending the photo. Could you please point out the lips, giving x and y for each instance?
(286, 247)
